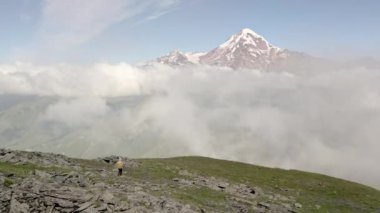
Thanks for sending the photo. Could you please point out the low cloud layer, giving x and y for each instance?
(327, 122)
(77, 112)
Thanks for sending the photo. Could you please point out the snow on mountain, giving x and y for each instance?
(246, 49)
(195, 57)
(179, 58)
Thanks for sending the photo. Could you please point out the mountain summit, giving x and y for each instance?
(245, 49)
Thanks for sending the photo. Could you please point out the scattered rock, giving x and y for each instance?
(110, 159)
(123, 207)
(73, 178)
(102, 208)
(63, 203)
(17, 207)
(108, 198)
(100, 185)
(185, 173)
(298, 205)
(2, 179)
(222, 185)
(42, 174)
(39, 158)
(84, 206)
(264, 205)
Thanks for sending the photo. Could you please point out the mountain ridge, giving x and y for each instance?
(243, 50)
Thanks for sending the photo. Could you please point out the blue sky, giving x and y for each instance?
(137, 30)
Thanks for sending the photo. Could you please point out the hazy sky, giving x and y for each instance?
(136, 30)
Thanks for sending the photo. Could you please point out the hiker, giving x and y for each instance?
(120, 165)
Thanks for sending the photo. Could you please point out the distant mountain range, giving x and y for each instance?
(249, 50)
(245, 49)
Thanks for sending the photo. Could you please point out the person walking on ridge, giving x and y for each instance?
(120, 165)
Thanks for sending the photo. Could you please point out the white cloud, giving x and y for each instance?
(72, 81)
(77, 113)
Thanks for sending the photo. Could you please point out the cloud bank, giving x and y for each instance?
(326, 122)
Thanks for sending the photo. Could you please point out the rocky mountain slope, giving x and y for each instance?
(249, 50)
(246, 50)
(42, 182)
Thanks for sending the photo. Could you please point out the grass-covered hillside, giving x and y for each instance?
(32, 182)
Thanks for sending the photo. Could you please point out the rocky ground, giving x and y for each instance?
(40, 182)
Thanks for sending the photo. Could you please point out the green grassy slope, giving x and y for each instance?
(317, 193)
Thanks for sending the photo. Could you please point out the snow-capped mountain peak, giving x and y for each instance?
(246, 35)
(245, 49)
